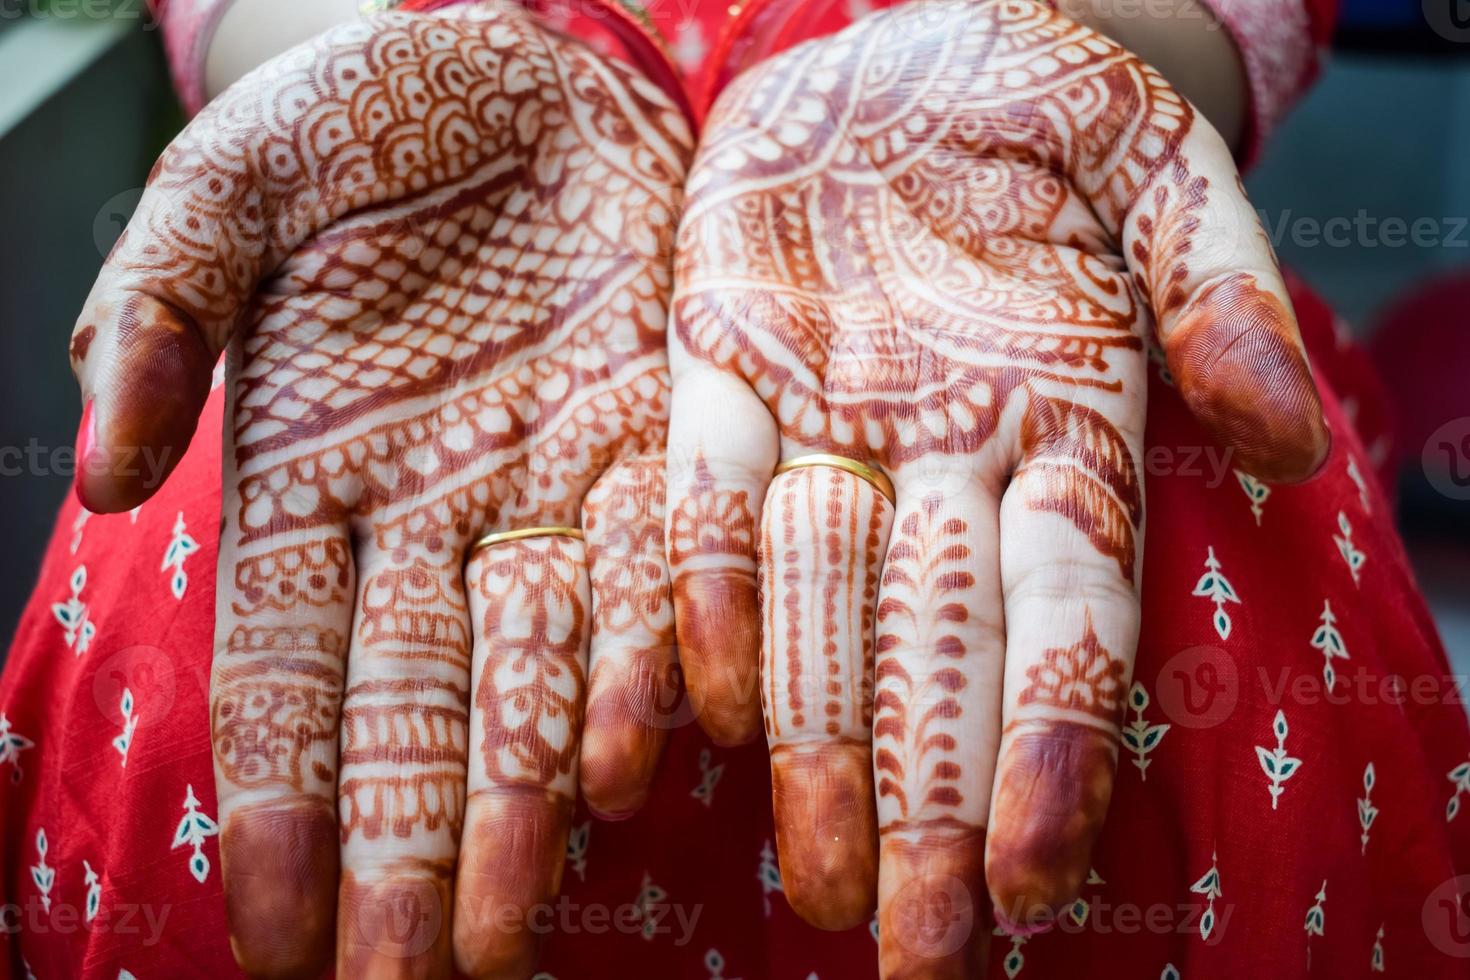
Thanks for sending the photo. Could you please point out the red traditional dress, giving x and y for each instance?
(1292, 773)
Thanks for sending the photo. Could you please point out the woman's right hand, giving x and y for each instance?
(438, 249)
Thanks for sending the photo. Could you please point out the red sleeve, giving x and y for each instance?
(1281, 43)
(188, 26)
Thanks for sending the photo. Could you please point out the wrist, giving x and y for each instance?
(248, 33)
(1186, 41)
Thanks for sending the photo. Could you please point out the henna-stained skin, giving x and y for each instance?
(712, 557)
(932, 902)
(822, 541)
(531, 599)
(272, 907)
(1232, 332)
(393, 926)
(438, 249)
(938, 242)
(633, 676)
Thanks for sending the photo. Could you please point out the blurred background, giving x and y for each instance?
(1363, 192)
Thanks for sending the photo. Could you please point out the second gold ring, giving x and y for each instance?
(500, 537)
(862, 471)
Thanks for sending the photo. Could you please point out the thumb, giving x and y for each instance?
(286, 150)
(1200, 256)
(1223, 314)
(1165, 181)
(145, 373)
(211, 223)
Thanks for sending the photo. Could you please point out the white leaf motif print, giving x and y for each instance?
(193, 830)
(1213, 585)
(180, 546)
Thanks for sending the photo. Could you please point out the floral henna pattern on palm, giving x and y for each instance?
(439, 249)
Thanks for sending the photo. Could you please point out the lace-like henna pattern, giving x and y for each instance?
(532, 600)
(282, 713)
(533, 679)
(635, 695)
(439, 249)
(1082, 679)
(1067, 722)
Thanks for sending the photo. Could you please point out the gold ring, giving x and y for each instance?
(500, 537)
(862, 471)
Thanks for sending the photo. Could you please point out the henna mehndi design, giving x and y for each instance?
(937, 241)
(439, 251)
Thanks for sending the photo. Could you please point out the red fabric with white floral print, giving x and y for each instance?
(1244, 839)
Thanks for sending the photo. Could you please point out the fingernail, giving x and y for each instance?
(611, 817)
(1028, 929)
(86, 443)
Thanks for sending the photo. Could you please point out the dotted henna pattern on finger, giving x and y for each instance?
(820, 552)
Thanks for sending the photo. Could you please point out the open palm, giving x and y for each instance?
(938, 243)
(438, 251)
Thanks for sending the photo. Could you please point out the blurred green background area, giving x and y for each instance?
(86, 106)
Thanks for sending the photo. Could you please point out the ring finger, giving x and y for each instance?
(530, 602)
(823, 532)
